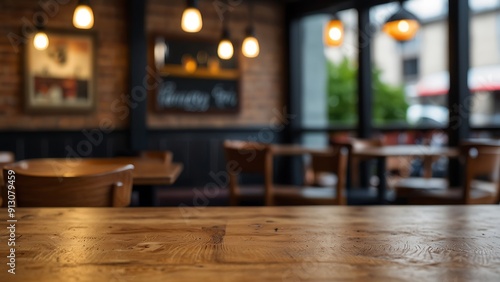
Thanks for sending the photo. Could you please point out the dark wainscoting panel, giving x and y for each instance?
(200, 150)
(60, 144)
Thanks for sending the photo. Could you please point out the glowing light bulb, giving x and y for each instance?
(41, 41)
(403, 26)
(225, 49)
(83, 18)
(191, 20)
(335, 33)
(251, 47)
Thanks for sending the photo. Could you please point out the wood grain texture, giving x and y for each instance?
(453, 243)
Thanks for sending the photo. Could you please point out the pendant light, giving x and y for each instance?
(191, 17)
(41, 40)
(225, 49)
(250, 46)
(83, 17)
(403, 25)
(334, 32)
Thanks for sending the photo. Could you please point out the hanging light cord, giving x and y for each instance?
(250, 13)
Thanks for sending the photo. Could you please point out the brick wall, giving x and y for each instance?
(261, 79)
(111, 63)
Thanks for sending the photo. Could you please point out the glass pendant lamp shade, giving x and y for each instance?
(334, 33)
(41, 40)
(251, 46)
(225, 49)
(402, 26)
(191, 18)
(83, 17)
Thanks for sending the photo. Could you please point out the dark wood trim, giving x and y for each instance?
(459, 98)
(294, 75)
(304, 8)
(138, 73)
(365, 93)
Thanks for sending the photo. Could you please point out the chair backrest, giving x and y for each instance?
(84, 187)
(353, 144)
(333, 162)
(481, 161)
(165, 156)
(249, 157)
(358, 143)
(6, 158)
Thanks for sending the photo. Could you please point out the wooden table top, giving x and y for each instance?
(294, 149)
(430, 243)
(146, 171)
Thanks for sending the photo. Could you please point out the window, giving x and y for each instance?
(409, 73)
(328, 79)
(410, 68)
(484, 72)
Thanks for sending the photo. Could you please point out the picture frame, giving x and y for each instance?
(61, 78)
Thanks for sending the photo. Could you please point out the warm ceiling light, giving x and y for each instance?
(225, 49)
(334, 32)
(402, 26)
(41, 40)
(83, 17)
(191, 18)
(250, 47)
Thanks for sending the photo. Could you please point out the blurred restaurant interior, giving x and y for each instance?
(140, 78)
(196, 103)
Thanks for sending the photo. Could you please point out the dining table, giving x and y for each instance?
(304, 243)
(147, 171)
(380, 153)
(428, 153)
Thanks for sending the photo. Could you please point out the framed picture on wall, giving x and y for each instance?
(60, 78)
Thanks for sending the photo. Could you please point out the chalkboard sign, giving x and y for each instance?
(179, 93)
(194, 79)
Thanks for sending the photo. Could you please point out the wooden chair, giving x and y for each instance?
(407, 186)
(84, 187)
(481, 183)
(253, 158)
(5, 158)
(334, 162)
(353, 144)
(165, 156)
